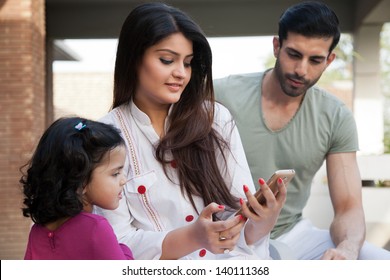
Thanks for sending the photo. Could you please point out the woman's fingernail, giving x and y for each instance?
(221, 206)
(242, 218)
(246, 188)
(241, 201)
(261, 181)
(280, 180)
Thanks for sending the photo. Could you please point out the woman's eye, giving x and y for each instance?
(165, 61)
(187, 65)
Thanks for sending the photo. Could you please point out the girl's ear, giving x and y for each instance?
(87, 206)
(83, 193)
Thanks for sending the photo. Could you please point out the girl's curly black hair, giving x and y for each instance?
(62, 164)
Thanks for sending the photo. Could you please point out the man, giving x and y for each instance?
(285, 121)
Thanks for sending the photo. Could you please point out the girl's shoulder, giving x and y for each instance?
(71, 223)
(90, 217)
(89, 221)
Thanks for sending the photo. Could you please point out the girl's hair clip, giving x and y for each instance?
(80, 126)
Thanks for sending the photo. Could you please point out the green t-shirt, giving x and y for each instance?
(322, 125)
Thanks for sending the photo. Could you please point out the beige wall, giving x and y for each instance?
(88, 95)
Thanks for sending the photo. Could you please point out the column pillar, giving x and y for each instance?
(22, 107)
(368, 99)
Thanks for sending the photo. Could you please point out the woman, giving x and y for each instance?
(187, 170)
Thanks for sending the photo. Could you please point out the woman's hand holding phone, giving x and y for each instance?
(263, 208)
(285, 175)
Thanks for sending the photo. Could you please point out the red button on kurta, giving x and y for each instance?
(189, 218)
(202, 253)
(141, 189)
(173, 164)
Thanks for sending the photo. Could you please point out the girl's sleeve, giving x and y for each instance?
(126, 251)
(107, 246)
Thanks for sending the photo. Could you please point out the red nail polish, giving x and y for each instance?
(261, 181)
(242, 218)
(221, 207)
(241, 201)
(280, 180)
(246, 188)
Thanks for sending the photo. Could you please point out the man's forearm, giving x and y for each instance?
(348, 232)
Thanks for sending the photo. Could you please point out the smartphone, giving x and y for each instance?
(285, 174)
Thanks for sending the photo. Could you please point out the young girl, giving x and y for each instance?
(186, 167)
(78, 163)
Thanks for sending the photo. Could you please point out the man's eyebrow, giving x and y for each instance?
(312, 56)
(292, 50)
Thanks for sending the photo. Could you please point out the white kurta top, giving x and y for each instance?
(153, 205)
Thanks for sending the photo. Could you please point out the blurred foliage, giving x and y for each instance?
(385, 72)
(341, 68)
(383, 183)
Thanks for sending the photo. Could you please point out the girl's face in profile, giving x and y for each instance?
(164, 73)
(107, 181)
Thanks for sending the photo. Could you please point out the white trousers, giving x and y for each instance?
(308, 242)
